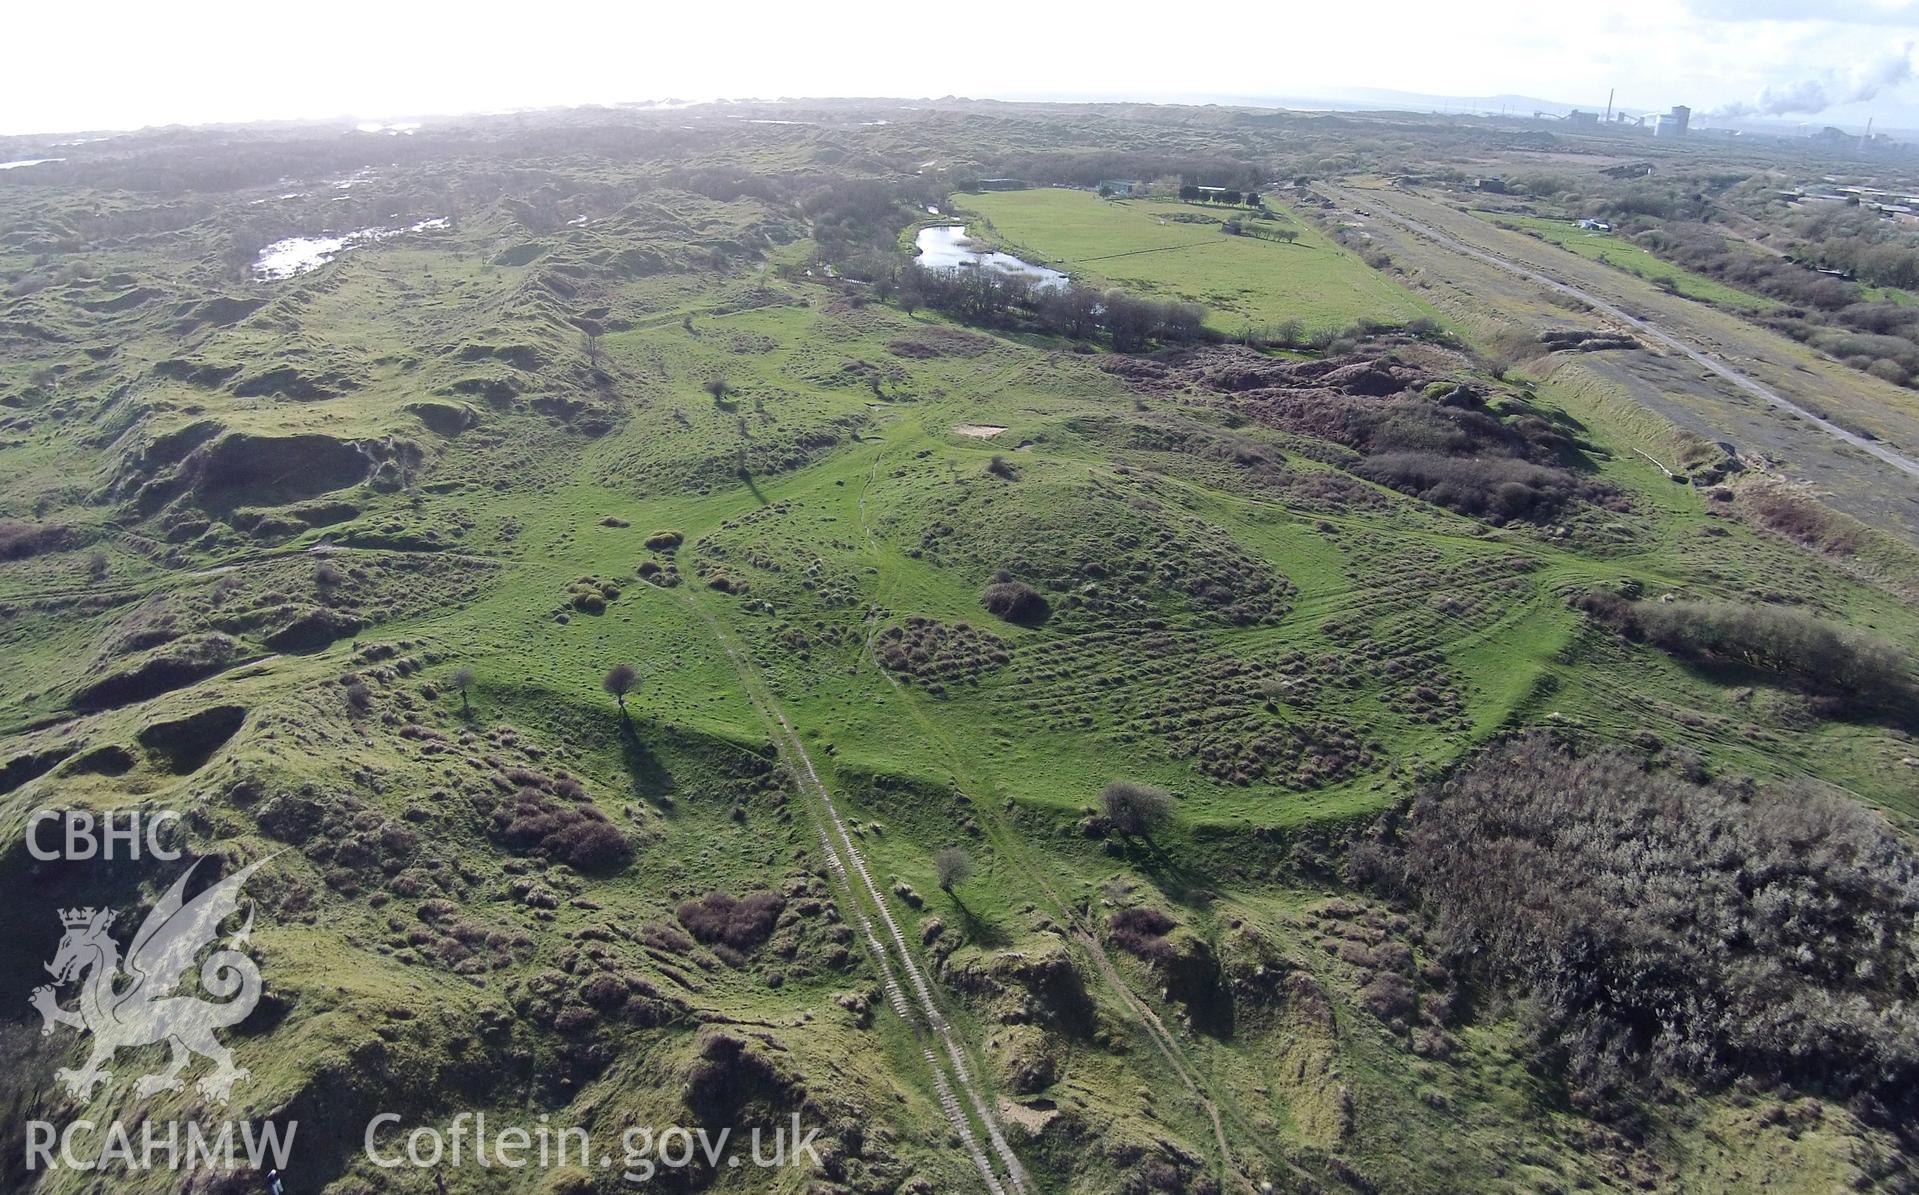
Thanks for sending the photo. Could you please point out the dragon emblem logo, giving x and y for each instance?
(127, 1004)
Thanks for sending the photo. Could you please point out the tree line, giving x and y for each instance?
(996, 299)
(1228, 196)
(1086, 168)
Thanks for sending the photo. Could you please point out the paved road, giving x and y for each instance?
(1744, 381)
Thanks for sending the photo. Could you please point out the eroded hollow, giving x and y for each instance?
(31, 766)
(185, 744)
(110, 760)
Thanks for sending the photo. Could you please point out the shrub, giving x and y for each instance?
(1855, 669)
(661, 541)
(1499, 487)
(1015, 601)
(1660, 928)
(1136, 810)
(573, 832)
(719, 919)
(1888, 370)
(1798, 516)
(1141, 932)
(591, 844)
(20, 540)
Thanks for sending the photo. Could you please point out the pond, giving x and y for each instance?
(298, 255)
(947, 247)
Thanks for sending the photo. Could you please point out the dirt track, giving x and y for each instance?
(888, 948)
(1650, 331)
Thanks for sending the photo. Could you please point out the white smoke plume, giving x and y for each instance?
(1811, 96)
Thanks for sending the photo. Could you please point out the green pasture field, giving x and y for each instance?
(1242, 281)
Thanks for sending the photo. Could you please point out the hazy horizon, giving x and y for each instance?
(1852, 117)
(146, 65)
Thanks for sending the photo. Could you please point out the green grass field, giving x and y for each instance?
(1888, 294)
(1242, 281)
(1620, 253)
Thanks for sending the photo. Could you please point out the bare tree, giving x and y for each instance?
(463, 679)
(953, 866)
(619, 681)
(1136, 810)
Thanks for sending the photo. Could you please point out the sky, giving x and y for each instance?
(115, 64)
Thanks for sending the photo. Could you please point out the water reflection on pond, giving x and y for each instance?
(947, 247)
(297, 255)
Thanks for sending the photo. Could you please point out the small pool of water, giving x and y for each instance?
(947, 247)
(298, 255)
